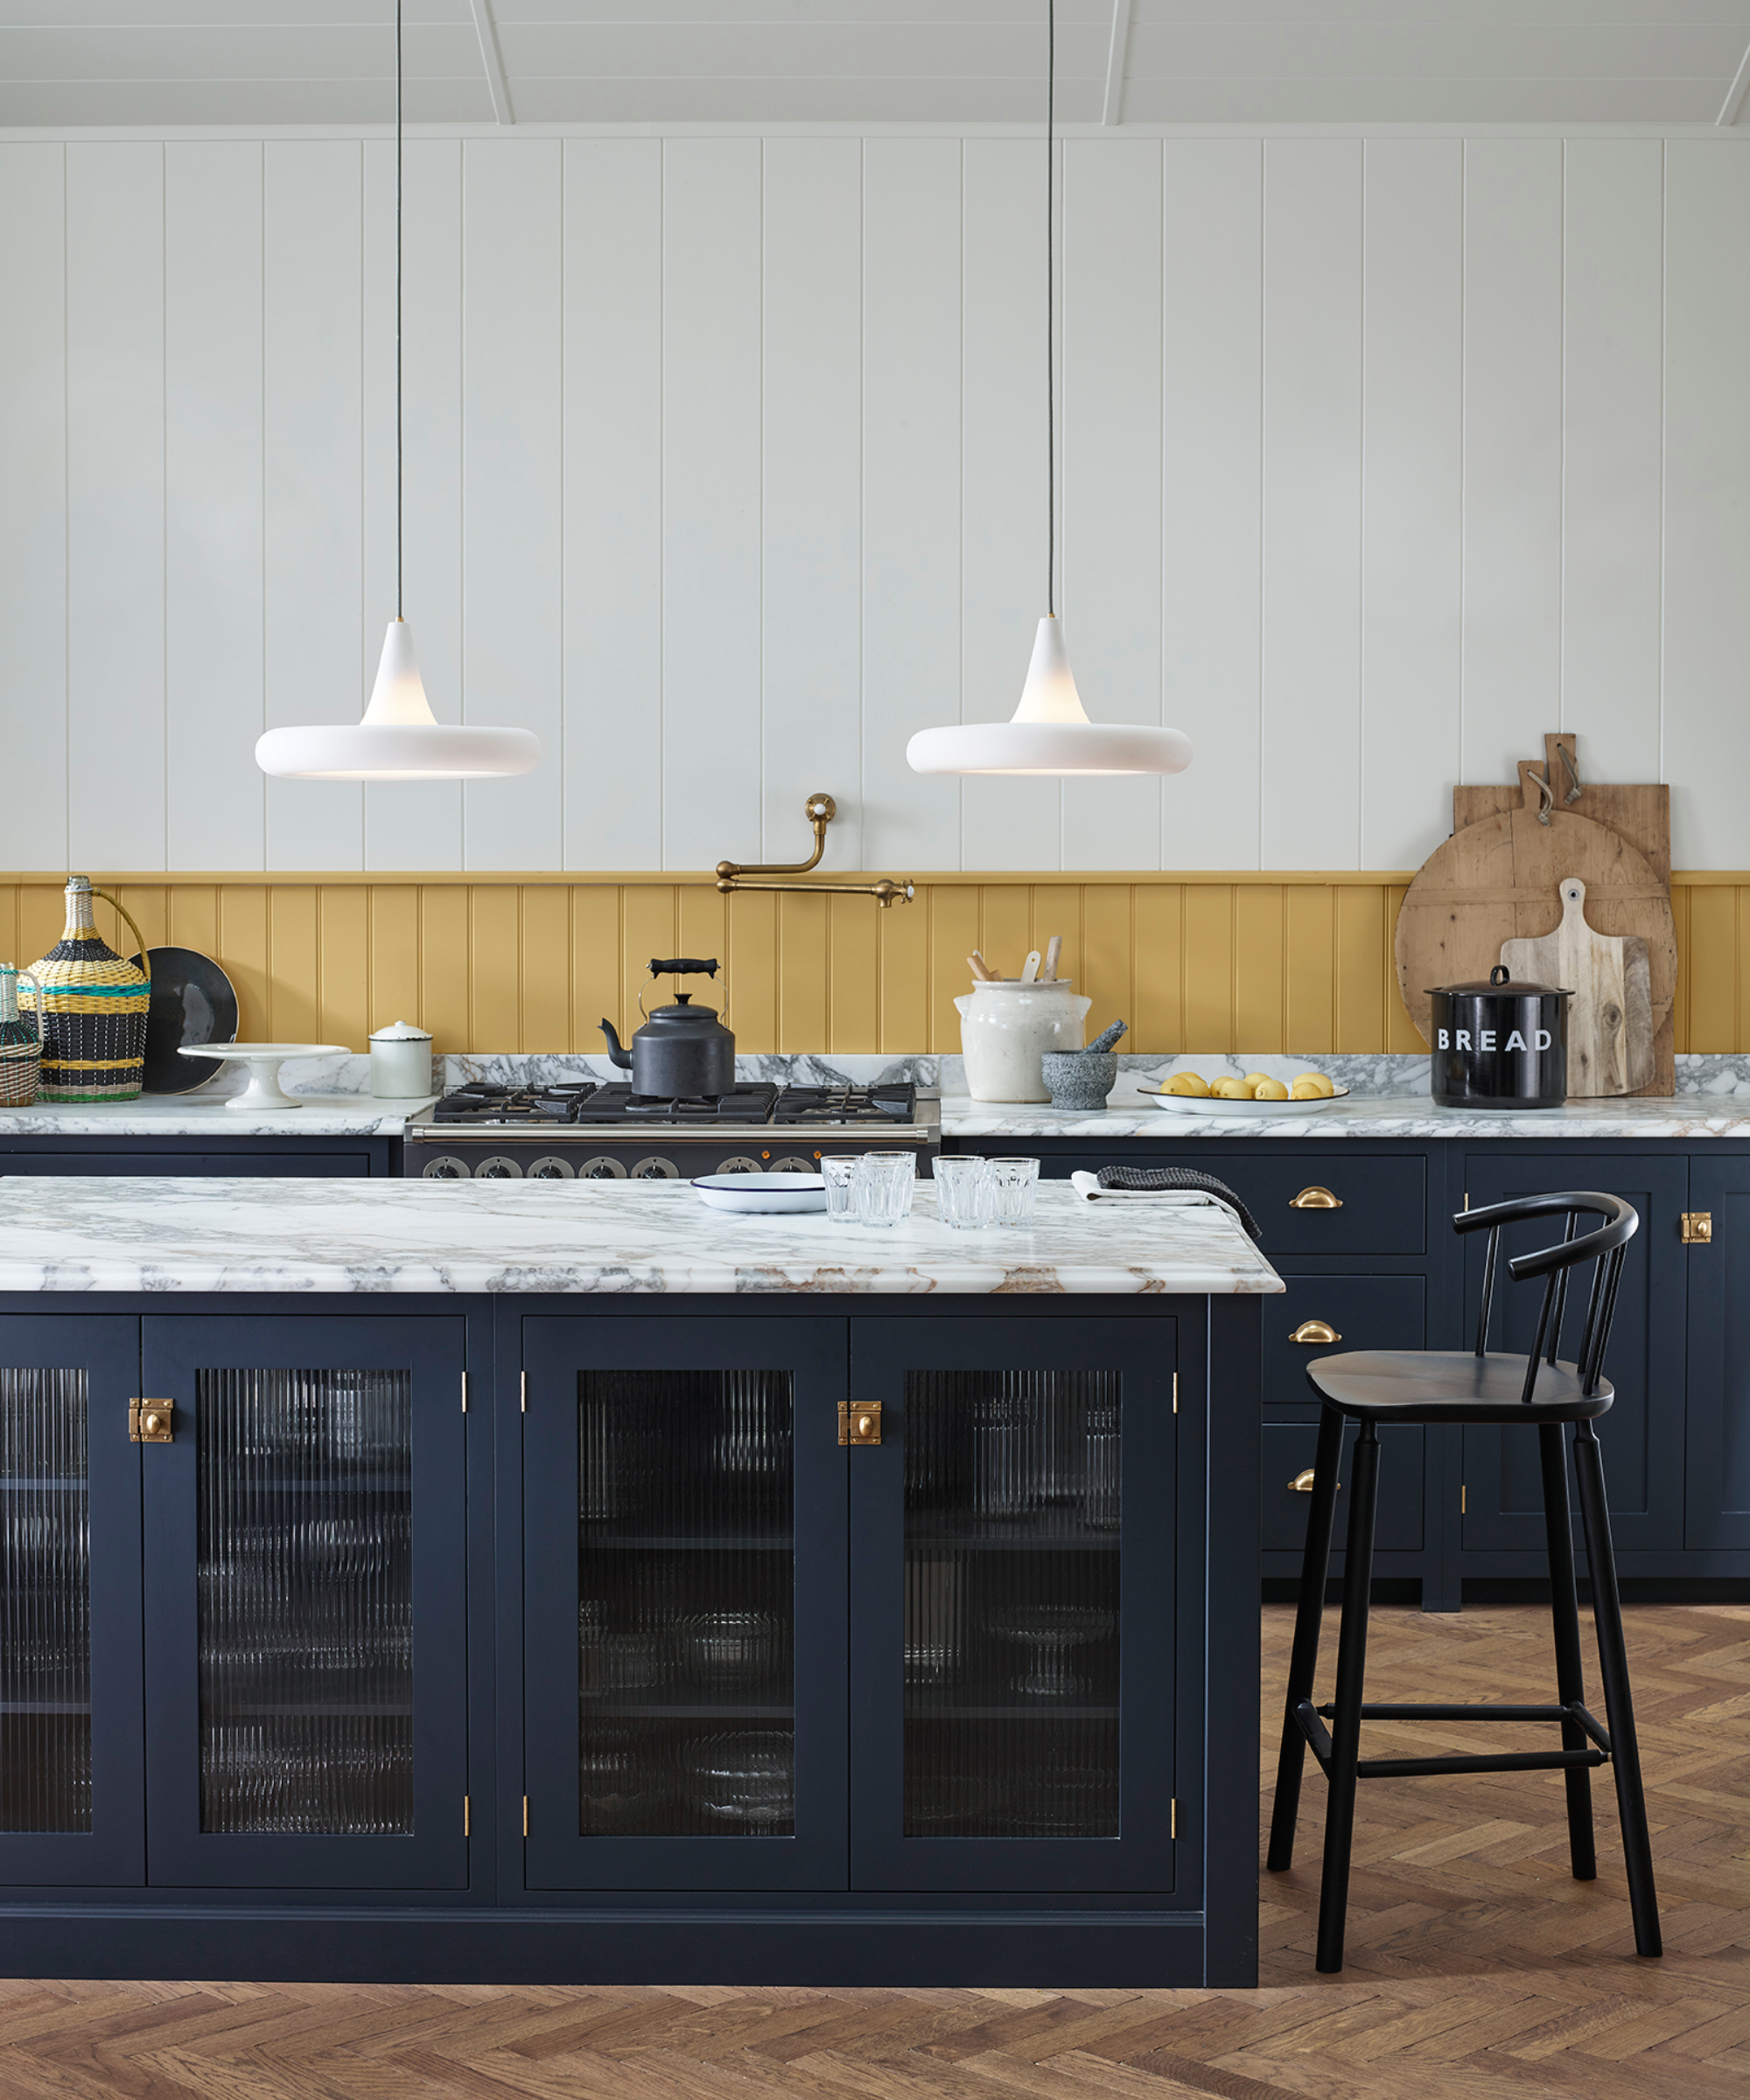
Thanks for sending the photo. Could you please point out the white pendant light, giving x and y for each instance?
(1049, 732)
(399, 738)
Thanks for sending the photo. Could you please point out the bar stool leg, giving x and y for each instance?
(1612, 1657)
(1346, 1727)
(1315, 1567)
(1564, 1611)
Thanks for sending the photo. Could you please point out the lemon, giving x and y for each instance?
(1232, 1089)
(1187, 1082)
(1270, 1089)
(1311, 1086)
(1257, 1080)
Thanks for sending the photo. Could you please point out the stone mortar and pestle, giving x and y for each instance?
(1083, 1079)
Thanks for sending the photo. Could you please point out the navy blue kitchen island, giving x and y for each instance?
(509, 1583)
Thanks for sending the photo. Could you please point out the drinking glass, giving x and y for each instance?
(884, 1186)
(1014, 1184)
(840, 1176)
(963, 1193)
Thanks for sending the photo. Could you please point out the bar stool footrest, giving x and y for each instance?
(1424, 1711)
(1311, 1721)
(1512, 1761)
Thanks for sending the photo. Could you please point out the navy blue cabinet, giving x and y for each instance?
(1717, 1511)
(1360, 1232)
(685, 1604)
(884, 1644)
(71, 1766)
(305, 1602)
(1012, 1634)
(218, 1152)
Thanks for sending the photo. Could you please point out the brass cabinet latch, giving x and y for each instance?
(1315, 1199)
(859, 1424)
(152, 1421)
(1698, 1229)
(1315, 1331)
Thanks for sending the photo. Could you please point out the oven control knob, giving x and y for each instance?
(655, 1169)
(740, 1165)
(551, 1169)
(446, 1169)
(601, 1168)
(498, 1168)
(791, 1165)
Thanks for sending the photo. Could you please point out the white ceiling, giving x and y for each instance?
(157, 62)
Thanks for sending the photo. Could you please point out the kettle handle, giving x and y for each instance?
(685, 966)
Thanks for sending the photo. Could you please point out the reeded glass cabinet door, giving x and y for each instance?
(71, 1804)
(684, 1642)
(1013, 1572)
(305, 1602)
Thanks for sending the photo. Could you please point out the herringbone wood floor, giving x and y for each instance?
(1478, 1969)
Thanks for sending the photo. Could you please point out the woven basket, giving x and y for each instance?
(21, 1050)
(92, 1007)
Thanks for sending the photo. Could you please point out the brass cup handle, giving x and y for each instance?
(1315, 1331)
(1315, 1199)
(1302, 1483)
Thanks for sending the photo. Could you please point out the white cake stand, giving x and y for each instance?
(264, 1061)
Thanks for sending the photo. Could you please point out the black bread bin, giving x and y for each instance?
(1502, 1045)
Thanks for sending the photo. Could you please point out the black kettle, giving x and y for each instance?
(682, 1050)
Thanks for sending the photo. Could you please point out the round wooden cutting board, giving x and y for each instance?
(1499, 880)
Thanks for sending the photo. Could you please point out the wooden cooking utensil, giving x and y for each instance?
(1053, 948)
(1610, 1017)
(981, 969)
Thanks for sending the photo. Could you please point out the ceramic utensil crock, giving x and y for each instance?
(1007, 1026)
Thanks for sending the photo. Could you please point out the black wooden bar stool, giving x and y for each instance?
(1404, 1385)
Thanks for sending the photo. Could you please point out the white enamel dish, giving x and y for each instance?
(762, 1192)
(1210, 1105)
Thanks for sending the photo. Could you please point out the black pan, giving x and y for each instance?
(193, 1001)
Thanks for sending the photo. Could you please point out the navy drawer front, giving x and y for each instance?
(1382, 1202)
(1366, 1312)
(1288, 1452)
(1381, 1205)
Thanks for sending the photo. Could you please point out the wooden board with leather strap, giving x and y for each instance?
(1638, 812)
(1499, 880)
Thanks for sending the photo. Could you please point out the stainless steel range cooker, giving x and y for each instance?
(594, 1130)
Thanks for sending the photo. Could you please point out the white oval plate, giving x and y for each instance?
(1210, 1105)
(762, 1192)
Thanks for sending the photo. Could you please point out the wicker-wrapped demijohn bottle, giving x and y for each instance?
(20, 1046)
(91, 1007)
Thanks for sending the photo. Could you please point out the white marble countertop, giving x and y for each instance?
(205, 1115)
(1380, 1105)
(306, 1236)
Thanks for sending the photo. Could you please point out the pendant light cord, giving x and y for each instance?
(1050, 392)
(397, 309)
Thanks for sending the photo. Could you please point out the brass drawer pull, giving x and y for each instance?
(1302, 1483)
(1315, 1331)
(1315, 1199)
(859, 1424)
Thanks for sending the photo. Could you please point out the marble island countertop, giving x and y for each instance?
(186, 1235)
(1388, 1097)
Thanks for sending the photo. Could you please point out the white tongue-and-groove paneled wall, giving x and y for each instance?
(725, 471)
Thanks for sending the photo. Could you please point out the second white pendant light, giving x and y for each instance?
(399, 738)
(1049, 732)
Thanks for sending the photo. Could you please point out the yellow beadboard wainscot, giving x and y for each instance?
(1196, 962)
